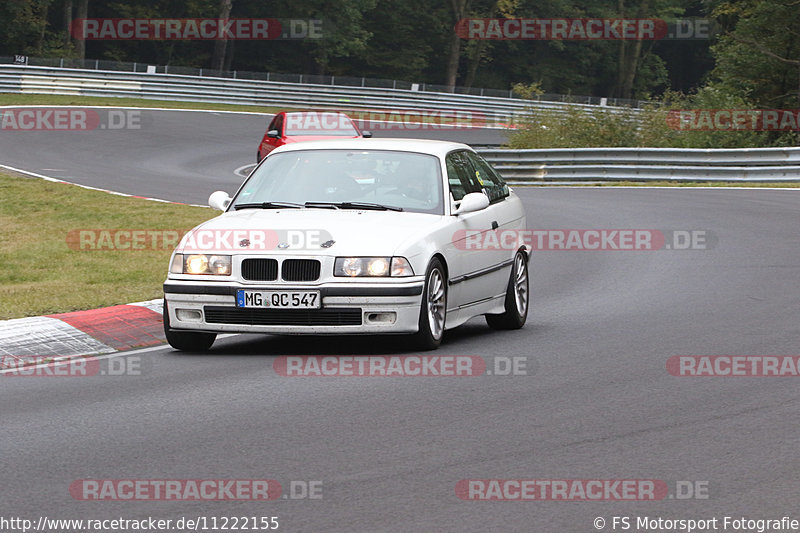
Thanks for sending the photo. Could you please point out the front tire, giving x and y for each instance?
(188, 341)
(433, 308)
(517, 298)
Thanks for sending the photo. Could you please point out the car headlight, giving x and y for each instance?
(372, 267)
(201, 264)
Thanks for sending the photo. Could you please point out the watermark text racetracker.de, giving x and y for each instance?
(576, 490)
(734, 119)
(68, 119)
(425, 119)
(398, 119)
(734, 365)
(137, 239)
(431, 366)
(194, 29)
(585, 239)
(194, 490)
(73, 367)
(583, 29)
(218, 239)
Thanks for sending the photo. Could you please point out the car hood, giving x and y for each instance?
(303, 231)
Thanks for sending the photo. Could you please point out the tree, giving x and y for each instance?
(23, 26)
(82, 13)
(634, 55)
(220, 45)
(394, 25)
(343, 31)
(760, 57)
(67, 22)
(459, 11)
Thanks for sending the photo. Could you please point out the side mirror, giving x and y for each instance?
(474, 201)
(219, 200)
(366, 134)
(273, 134)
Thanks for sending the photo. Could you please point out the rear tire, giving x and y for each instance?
(188, 341)
(432, 309)
(517, 298)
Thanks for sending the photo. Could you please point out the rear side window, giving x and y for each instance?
(488, 178)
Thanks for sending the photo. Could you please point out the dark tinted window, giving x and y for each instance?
(276, 124)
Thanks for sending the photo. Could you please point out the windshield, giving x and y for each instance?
(405, 180)
(334, 124)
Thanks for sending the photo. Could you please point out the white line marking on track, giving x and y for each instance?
(89, 187)
(140, 108)
(240, 171)
(59, 361)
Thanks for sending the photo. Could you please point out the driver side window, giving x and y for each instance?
(458, 176)
(490, 181)
(277, 124)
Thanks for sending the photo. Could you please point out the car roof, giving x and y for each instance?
(313, 112)
(424, 146)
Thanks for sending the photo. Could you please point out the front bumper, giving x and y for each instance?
(346, 308)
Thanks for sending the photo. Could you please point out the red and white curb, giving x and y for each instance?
(80, 333)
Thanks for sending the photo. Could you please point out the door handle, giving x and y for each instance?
(495, 225)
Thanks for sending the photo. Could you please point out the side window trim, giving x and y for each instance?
(458, 163)
(497, 190)
(469, 169)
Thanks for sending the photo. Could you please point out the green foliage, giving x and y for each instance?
(760, 57)
(401, 39)
(343, 30)
(392, 22)
(22, 24)
(528, 92)
(757, 53)
(656, 125)
(575, 127)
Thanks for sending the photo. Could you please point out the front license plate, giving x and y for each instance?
(278, 299)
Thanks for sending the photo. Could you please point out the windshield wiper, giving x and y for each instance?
(332, 205)
(354, 205)
(267, 205)
(369, 205)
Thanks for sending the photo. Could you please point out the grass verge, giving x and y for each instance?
(43, 274)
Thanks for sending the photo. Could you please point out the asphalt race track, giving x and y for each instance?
(172, 155)
(597, 401)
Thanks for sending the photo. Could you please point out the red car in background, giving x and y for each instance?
(295, 126)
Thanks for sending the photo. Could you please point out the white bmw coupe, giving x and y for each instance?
(356, 236)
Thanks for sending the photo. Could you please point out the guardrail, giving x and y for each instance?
(518, 166)
(488, 110)
(348, 81)
(646, 164)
